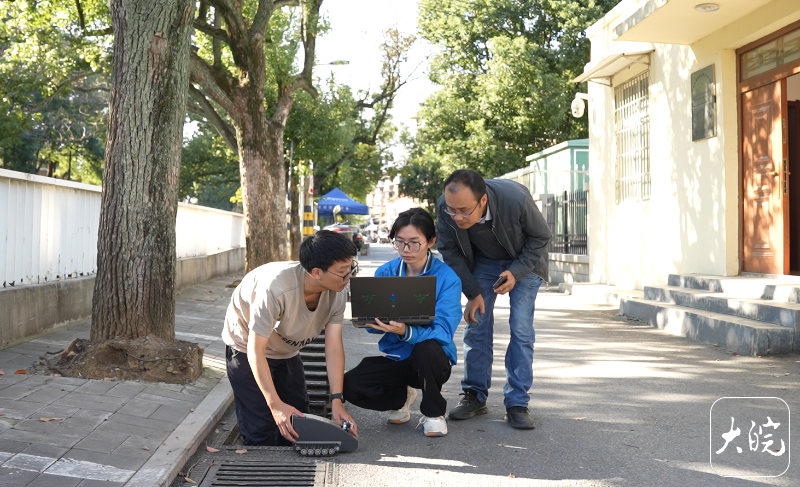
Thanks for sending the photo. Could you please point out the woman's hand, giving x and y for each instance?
(282, 413)
(340, 414)
(391, 327)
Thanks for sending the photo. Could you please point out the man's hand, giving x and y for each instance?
(340, 414)
(282, 413)
(473, 305)
(391, 327)
(506, 286)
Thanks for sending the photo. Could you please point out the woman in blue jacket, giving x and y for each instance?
(416, 357)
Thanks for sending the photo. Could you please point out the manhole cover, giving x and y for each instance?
(259, 473)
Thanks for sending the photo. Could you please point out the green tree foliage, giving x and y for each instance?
(504, 67)
(209, 171)
(53, 88)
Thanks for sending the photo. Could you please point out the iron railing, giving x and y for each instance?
(567, 218)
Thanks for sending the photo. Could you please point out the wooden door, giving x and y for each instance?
(764, 152)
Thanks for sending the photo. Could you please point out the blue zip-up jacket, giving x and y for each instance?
(448, 312)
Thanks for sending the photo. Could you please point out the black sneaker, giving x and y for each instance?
(469, 406)
(519, 417)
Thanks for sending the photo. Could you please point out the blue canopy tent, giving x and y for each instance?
(348, 205)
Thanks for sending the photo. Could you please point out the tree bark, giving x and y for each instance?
(295, 228)
(135, 285)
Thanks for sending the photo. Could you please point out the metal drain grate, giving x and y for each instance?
(265, 474)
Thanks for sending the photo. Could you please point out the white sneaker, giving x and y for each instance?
(402, 415)
(433, 426)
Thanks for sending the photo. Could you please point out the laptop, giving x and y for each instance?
(409, 300)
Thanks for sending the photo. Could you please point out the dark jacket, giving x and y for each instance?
(516, 222)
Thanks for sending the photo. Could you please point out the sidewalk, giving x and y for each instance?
(111, 433)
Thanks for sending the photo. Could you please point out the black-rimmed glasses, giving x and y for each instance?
(450, 212)
(353, 271)
(400, 245)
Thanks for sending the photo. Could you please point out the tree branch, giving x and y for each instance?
(205, 109)
(213, 32)
(213, 82)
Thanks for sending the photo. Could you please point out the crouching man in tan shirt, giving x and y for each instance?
(275, 311)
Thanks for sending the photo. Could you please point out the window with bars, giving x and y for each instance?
(632, 131)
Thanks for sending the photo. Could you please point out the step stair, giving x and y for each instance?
(749, 315)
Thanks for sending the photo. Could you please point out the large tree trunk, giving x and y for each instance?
(135, 285)
(263, 179)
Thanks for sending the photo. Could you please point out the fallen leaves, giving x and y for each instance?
(211, 449)
(241, 452)
(187, 479)
(47, 420)
(21, 371)
(1, 372)
(580, 419)
(145, 448)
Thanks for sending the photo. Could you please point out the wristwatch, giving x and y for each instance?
(338, 396)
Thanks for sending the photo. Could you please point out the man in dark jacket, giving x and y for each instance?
(495, 238)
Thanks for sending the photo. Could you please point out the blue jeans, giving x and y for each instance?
(478, 337)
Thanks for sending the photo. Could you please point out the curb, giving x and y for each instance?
(165, 463)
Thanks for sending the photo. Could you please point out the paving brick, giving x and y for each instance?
(32, 463)
(45, 450)
(47, 395)
(117, 461)
(15, 476)
(173, 414)
(47, 428)
(139, 407)
(125, 389)
(144, 422)
(87, 418)
(100, 483)
(88, 470)
(11, 446)
(68, 381)
(6, 356)
(98, 387)
(101, 441)
(47, 480)
(167, 400)
(58, 439)
(78, 394)
(132, 430)
(20, 390)
(53, 411)
(19, 409)
(88, 403)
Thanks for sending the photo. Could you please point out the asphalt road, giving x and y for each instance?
(616, 402)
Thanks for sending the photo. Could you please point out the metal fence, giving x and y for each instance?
(567, 217)
(48, 229)
(540, 181)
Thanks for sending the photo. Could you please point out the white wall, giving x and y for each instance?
(48, 229)
(690, 224)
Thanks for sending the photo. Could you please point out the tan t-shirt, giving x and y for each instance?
(269, 301)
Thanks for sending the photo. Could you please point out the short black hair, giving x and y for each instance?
(421, 219)
(470, 179)
(324, 248)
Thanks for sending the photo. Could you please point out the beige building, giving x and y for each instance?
(385, 201)
(694, 140)
(693, 137)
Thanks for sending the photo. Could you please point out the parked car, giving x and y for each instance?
(350, 230)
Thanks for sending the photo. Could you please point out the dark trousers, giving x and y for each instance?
(379, 383)
(256, 423)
